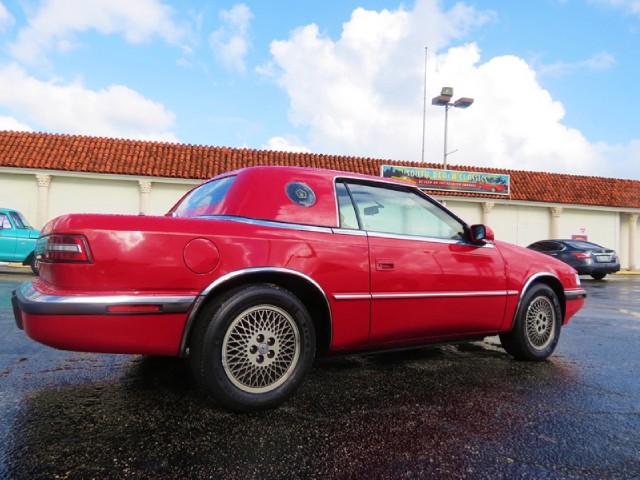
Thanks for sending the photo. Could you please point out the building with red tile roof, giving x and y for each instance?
(76, 153)
(59, 155)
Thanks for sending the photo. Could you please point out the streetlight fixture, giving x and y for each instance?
(444, 100)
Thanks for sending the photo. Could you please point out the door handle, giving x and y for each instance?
(384, 264)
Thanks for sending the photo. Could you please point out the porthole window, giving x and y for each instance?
(301, 194)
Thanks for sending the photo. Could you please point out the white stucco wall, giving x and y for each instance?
(20, 192)
(503, 220)
(78, 195)
(165, 195)
(625, 230)
(533, 224)
(515, 222)
(470, 212)
(600, 226)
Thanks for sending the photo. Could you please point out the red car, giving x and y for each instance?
(256, 272)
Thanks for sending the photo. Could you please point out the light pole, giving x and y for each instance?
(444, 100)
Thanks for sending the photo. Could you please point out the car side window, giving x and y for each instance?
(552, 246)
(541, 246)
(401, 211)
(4, 221)
(346, 210)
(546, 246)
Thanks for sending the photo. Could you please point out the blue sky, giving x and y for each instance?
(554, 81)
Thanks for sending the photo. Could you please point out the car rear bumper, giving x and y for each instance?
(141, 324)
(597, 268)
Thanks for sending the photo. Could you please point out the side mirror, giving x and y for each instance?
(480, 233)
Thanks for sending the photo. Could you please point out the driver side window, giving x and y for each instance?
(4, 221)
(404, 212)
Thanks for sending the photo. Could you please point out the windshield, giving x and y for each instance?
(203, 199)
(19, 221)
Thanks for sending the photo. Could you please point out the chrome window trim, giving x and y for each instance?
(33, 302)
(349, 231)
(340, 231)
(446, 241)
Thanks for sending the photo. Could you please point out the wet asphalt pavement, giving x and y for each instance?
(465, 411)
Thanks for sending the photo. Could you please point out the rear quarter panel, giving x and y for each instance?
(146, 255)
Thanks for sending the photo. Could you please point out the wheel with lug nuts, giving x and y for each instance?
(536, 329)
(252, 348)
(261, 348)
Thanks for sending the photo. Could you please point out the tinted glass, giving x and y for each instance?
(582, 245)
(546, 246)
(19, 221)
(346, 210)
(404, 212)
(201, 199)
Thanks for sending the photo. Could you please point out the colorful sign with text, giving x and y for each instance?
(450, 180)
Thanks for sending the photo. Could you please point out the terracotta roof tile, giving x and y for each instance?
(42, 151)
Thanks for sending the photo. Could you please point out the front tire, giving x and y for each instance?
(536, 329)
(252, 348)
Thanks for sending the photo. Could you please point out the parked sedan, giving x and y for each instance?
(256, 272)
(586, 257)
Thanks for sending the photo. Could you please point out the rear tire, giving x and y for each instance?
(598, 275)
(252, 348)
(536, 329)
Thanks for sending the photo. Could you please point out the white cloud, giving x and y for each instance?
(289, 144)
(55, 25)
(230, 43)
(10, 123)
(599, 61)
(630, 6)
(6, 20)
(362, 94)
(116, 111)
(627, 163)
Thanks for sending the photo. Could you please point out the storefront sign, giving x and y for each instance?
(450, 180)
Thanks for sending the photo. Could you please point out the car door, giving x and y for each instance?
(426, 279)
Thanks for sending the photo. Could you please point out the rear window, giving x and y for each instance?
(583, 245)
(203, 199)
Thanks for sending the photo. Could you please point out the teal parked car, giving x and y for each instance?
(17, 239)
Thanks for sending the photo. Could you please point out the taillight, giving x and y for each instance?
(581, 255)
(63, 248)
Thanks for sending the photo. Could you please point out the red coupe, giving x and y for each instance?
(256, 272)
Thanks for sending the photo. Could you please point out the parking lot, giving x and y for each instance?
(465, 411)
